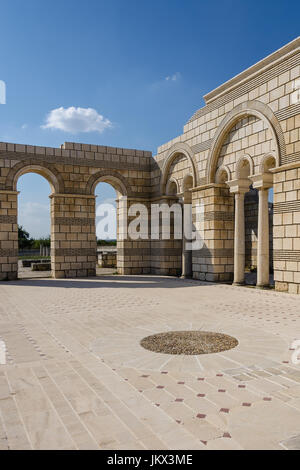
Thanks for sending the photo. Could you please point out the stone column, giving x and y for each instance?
(239, 240)
(186, 238)
(263, 182)
(239, 188)
(263, 239)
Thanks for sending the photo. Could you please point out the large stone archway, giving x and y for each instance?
(72, 172)
(178, 149)
(245, 110)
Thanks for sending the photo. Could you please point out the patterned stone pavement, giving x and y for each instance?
(77, 378)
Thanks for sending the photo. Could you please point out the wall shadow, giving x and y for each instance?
(118, 282)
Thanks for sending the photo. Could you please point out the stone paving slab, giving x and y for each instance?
(76, 376)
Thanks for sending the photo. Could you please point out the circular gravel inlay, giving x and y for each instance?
(189, 342)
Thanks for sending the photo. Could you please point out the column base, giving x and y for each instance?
(186, 276)
(262, 286)
(239, 283)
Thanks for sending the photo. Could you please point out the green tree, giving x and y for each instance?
(45, 241)
(24, 238)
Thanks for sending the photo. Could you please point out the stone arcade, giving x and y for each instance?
(245, 137)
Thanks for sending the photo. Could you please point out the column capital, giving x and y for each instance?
(262, 181)
(239, 186)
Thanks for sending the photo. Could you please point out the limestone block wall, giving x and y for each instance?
(249, 136)
(8, 235)
(286, 230)
(214, 261)
(134, 255)
(166, 254)
(107, 259)
(73, 237)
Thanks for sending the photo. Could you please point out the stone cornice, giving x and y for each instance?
(287, 166)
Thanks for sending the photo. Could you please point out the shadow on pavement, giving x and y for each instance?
(115, 282)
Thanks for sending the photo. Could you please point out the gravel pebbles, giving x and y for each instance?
(189, 342)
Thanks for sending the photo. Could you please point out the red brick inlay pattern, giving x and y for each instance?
(224, 410)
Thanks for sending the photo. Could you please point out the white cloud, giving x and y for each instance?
(165, 83)
(173, 78)
(76, 120)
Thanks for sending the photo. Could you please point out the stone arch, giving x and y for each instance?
(246, 109)
(268, 161)
(173, 152)
(118, 182)
(223, 174)
(240, 169)
(41, 168)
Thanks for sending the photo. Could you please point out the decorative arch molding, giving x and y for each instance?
(35, 166)
(171, 181)
(112, 177)
(240, 163)
(173, 152)
(246, 109)
(220, 170)
(264, 160)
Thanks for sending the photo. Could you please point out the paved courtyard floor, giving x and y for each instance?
(77, 378)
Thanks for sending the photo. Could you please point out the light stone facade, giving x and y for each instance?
(247, 136)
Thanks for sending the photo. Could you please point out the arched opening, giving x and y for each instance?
(106, 228)
(34, 224)
(244, 151)
(178, 152)
(110, 200)
(237, 132)
(222, 175)
(243, 171)
(179, 183)
(172, 188)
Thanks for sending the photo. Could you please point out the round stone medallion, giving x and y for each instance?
(189, 342)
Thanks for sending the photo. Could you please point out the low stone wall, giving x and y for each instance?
(27, 263)
(107, 259)
(41, 267)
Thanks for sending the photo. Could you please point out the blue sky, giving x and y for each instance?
(142, 66)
